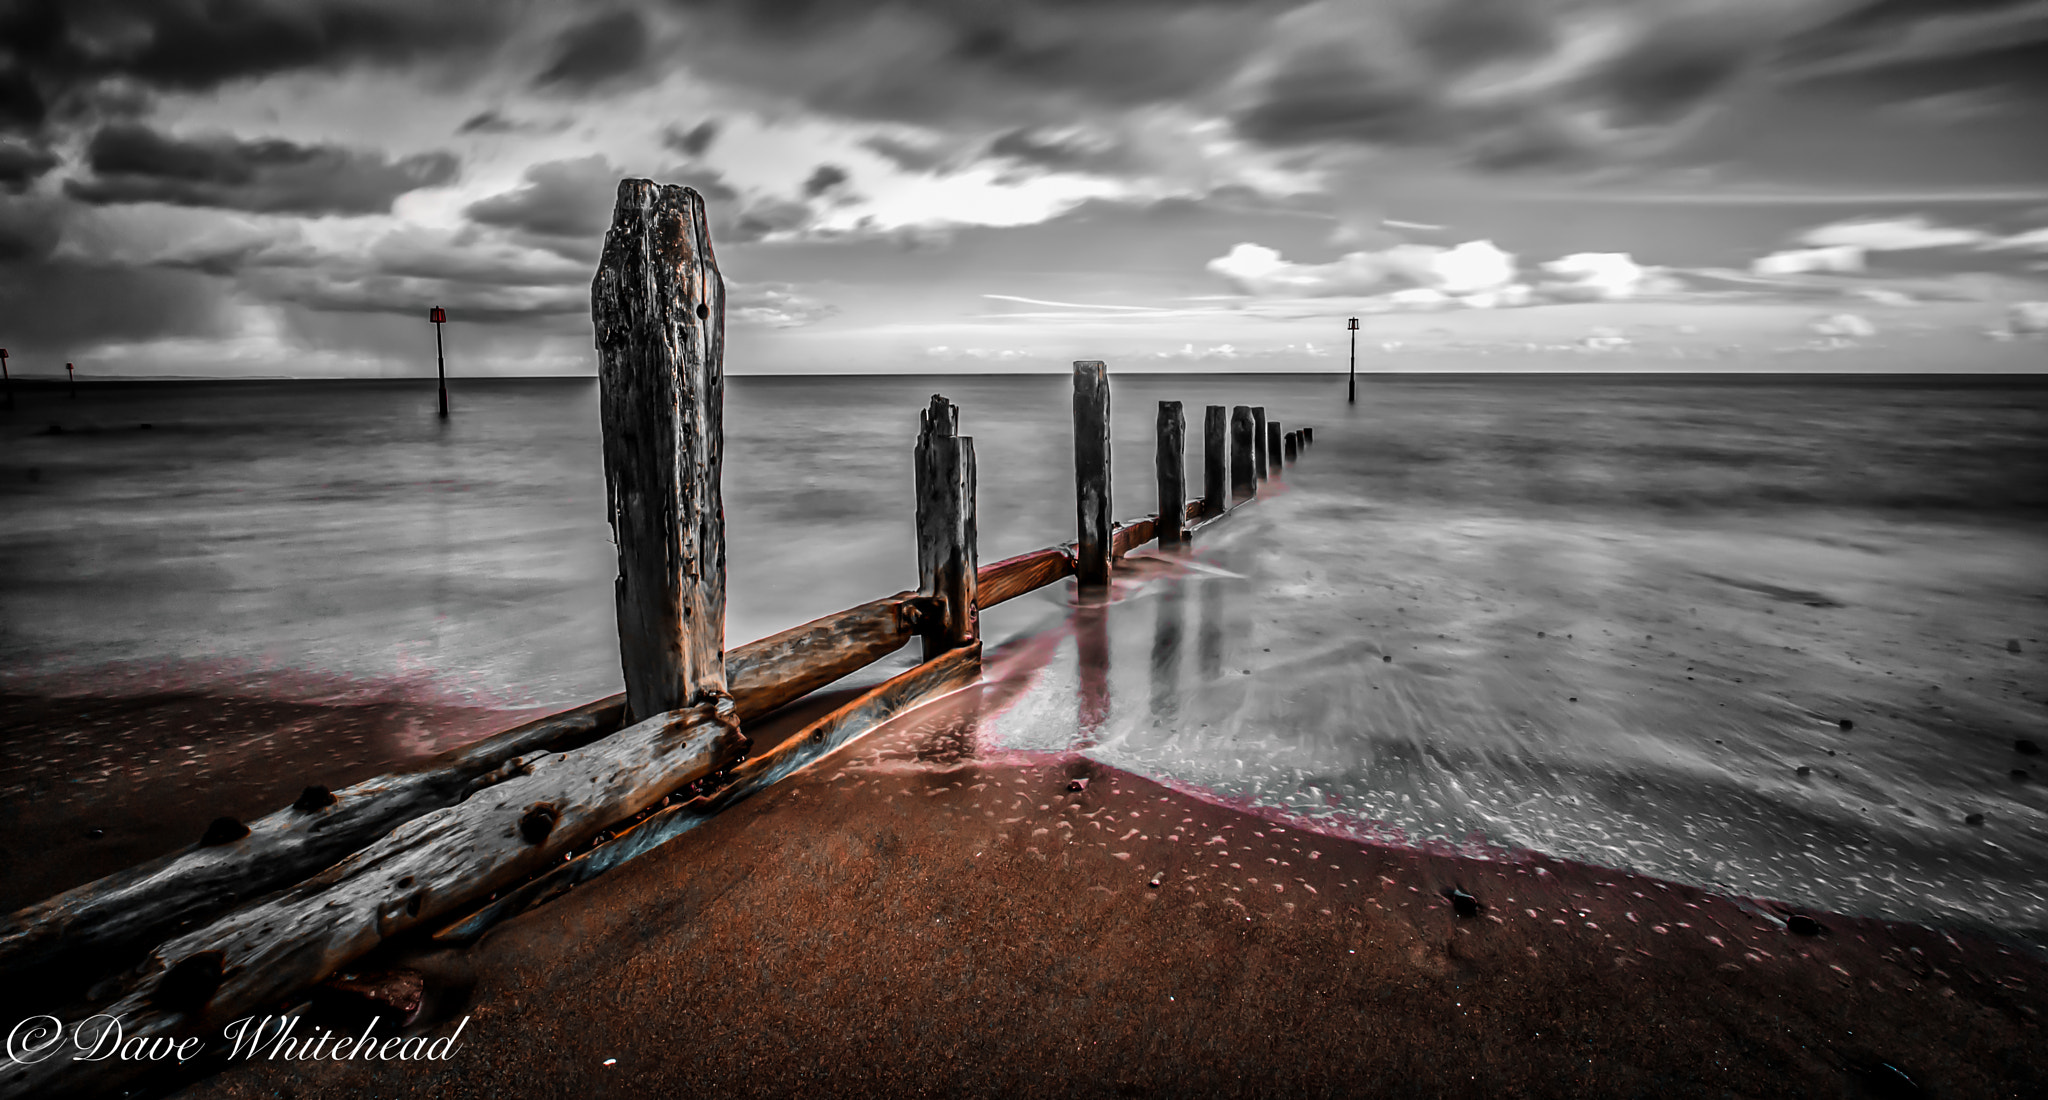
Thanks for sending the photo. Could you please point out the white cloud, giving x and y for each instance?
(1844, 326)
(1845, 258)
(1603, 276)
(1471, 268)
(2028, 318)
(2031, 239)
(1893, 235)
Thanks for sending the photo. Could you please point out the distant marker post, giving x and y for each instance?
(439, 317)
(1353, 326)
(73, 379)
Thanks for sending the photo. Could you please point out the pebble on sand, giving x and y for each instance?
(1974, 819)
(2025, 747)
(1805, 769)
(1846, 724)
(1078, 785)
(2012, 645)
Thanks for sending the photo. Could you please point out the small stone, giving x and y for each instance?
(224, 830)
(1846, 724)
(1388, 657)
(2012, 645)
(1974, 819)
(95, 833)
(2025, 747)
(1539, 634)
(1804, 925)
(1156, 880)
(1078, 785)
(313, 799)
(1575, 699)
(1805, 770)
(1464, 904)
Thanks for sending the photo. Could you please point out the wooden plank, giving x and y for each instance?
(1091, 473)
(1259, 441)
(426, 871)
(947, 562)
(1215, 461)
(658, 305)
(1129, 536)
(1170, 465)
(782, 668)
(948, 672)
(1244, 473)
(1013, 577)
(1273, 455)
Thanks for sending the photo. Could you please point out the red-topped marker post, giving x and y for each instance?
(439, 317)
(73, 379)
(1353, 326)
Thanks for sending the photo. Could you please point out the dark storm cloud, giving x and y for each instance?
(566, 206)
(56, 50)
(1028, 147)
(495, 121)
(905, 155)
(822, 179)
(691, 142)
(22, 164)
(58, 306)
(133, 163)
(599, 50)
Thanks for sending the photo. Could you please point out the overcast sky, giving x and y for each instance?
(283, 187)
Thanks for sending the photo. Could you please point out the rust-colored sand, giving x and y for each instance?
(909, 920)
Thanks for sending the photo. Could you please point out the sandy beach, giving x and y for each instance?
(911, 919)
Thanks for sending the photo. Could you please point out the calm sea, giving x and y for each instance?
(1610, 618)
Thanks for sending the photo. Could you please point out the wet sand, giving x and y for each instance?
(914, 917)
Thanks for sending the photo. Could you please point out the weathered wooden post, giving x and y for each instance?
(1091, 472)
(947, 557)
(1308, 435)
(1244, 475)
(1171, 463)
(1292, 451)
(1259, 440)
(1273, 454)
(1215, 460)
(658, 304)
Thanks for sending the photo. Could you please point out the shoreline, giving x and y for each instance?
(911, 917)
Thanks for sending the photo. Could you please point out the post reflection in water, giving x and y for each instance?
(1091, 633)
(1212, 629)
(1167, 628)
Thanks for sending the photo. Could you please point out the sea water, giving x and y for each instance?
(1611, 618)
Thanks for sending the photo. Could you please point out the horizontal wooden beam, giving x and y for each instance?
(949, 672)
(1013, 577)
(1130, 536)
(431, 868)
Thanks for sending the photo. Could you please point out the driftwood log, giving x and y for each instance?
(426, 871)
(947, 558)
(1091, 473)
(950, 671)
(1215, 460)
(1170, 464)
(102, 923)
(658, 305)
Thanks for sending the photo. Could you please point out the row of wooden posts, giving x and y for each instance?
(254, 914)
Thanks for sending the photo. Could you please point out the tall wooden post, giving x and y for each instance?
(1244, 474)
(658, 304)
(947, 556)
(1171, 463)
(1273, 445)
(1091, 472)
(1308, 435)
(1259, 440)
(1292, 451)
(1215, 460)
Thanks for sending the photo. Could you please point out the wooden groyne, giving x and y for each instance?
(257, 912)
